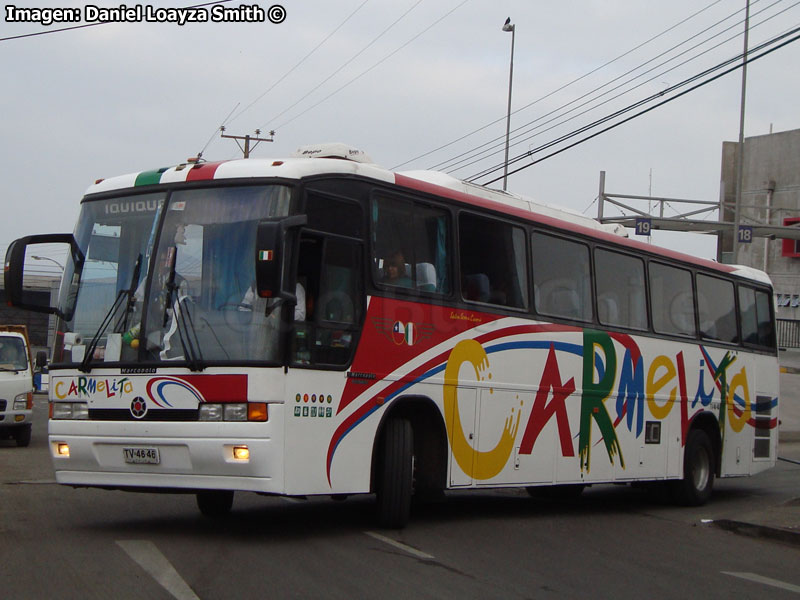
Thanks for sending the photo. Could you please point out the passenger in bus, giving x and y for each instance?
(394, 270)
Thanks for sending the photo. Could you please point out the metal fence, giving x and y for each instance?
(788, 333)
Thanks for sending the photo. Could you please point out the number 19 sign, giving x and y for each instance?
(643, 226)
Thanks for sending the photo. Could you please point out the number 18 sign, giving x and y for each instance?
(745, 234)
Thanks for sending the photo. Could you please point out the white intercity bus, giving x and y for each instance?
(318, 325)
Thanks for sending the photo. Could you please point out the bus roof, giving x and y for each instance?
(308, 164)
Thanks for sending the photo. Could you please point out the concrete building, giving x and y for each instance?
(770, 195)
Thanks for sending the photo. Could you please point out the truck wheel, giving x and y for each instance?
(23, 436)
(395, 474)
(698, 471)
(215, 503)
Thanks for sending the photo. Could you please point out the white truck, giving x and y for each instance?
(16, 384)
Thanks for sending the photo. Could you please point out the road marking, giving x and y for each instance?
(149, 557)
(765, 580)
(400, 546)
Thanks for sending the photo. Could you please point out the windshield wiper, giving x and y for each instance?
(109, 317)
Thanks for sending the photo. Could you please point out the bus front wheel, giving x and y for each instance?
(215, 503)
(698, 471)
(395, 474)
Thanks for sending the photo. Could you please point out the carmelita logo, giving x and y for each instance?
(139, 13)
(138, 407)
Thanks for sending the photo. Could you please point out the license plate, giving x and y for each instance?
(147, 456)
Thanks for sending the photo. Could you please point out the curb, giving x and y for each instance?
(760, 531)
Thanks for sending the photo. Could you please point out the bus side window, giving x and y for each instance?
(620, 289)
(717, 309)
(493, 261)
(562, 277)
(413, 239)
(330, 270)
(755, 316)
(671, 300)
(766, 323)
(747, 315)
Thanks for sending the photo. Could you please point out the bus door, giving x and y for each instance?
(322, 338)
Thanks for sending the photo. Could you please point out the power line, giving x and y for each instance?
(630, 118)
(381, 61)
(632, 106)
(214, 135)
(351, 59)
(563, 87)
(478, 155)
(300, 62)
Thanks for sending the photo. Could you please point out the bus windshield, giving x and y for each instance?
(170, 277)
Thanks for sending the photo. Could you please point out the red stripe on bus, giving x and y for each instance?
(203, 171)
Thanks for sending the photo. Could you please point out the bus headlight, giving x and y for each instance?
(233, 411)
(69, 410)
(210, 412)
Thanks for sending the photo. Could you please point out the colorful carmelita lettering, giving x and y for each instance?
(86, 387)
(657, 389)
(489, 463)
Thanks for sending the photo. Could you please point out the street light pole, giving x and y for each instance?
(508, 26)
(52, 260)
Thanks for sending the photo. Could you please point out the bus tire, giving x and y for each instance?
(23, 436)
(395, 474)
(215, 503)
(698, 471)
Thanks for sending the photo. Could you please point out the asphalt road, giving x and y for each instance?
(57, 542)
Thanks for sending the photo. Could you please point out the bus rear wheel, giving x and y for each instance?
(215, 503)
(395, 474)
(698, 471)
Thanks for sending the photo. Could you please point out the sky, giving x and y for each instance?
(414, 83)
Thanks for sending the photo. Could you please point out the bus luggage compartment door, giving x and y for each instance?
(462, 435)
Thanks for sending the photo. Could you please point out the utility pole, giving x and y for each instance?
(737, 213)
(247, 139)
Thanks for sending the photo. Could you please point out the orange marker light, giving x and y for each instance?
(257, 411)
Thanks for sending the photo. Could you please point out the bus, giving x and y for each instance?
(320, 326)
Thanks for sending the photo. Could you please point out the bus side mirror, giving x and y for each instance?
(14, 271)
(270, 256)
(41, 359)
